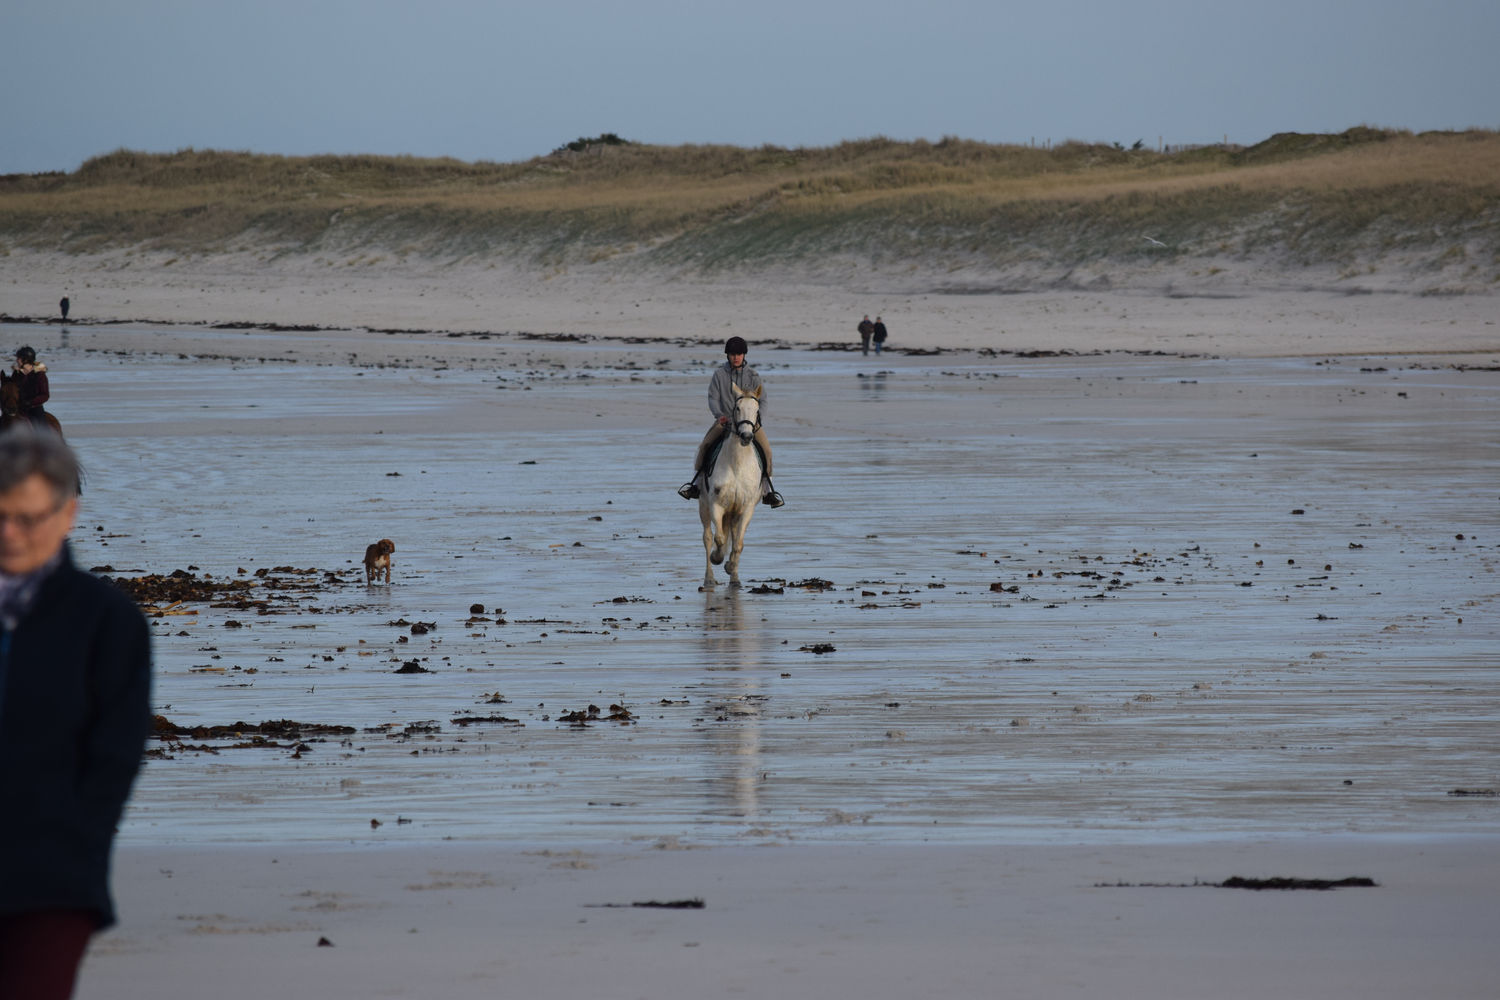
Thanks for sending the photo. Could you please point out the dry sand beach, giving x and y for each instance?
(1082, 601)
(1248, 310)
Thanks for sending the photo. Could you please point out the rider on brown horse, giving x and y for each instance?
(31, 378)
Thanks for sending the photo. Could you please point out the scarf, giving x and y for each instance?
(18, 592)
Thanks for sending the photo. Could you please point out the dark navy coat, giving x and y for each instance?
(75, 688)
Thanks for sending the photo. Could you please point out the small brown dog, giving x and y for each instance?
(377, 558)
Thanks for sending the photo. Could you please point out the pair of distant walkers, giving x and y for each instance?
(869, 332)
(733, 373)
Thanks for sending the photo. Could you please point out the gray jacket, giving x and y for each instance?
(721, 396)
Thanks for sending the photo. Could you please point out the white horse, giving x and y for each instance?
(732, 490)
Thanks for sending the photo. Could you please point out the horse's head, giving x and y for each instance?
(746, 417)
(10, 395)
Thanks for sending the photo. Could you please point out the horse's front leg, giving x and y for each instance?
(709, 547)
(737, 545)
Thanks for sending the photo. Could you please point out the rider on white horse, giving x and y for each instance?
(733, 372)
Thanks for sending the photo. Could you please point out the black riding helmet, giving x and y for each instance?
(27, 355)
(736, 345)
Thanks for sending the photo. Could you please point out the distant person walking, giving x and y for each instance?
(866, 330)
(63, 305)
(879, 334)
(75, 677)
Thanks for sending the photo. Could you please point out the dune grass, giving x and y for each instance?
(1308, 197)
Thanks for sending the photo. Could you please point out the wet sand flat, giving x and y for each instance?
(1092, 619)
(1116, 596)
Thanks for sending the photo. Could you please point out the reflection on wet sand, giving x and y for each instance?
(732, 655)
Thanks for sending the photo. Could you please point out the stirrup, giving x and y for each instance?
(689, 491)
(772, 500)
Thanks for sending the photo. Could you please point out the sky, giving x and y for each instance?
(502, 81)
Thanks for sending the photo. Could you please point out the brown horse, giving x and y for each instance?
(10, 405)
(10, 413)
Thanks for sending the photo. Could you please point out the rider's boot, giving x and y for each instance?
(689, 490)
(771, 498)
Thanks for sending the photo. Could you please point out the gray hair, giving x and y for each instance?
(26, 451)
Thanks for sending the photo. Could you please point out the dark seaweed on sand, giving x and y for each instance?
(163, 728)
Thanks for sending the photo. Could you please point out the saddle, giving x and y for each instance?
(712, 457)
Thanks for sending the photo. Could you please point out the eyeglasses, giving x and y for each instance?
(28, 522)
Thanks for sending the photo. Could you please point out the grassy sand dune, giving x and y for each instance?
(1419, 210)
